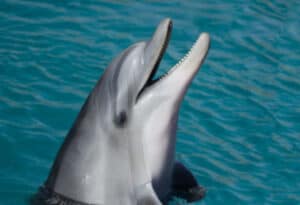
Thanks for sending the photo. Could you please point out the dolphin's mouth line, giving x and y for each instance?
(153, 81)
(186, 67)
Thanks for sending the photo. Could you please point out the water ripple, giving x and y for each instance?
(239, 123)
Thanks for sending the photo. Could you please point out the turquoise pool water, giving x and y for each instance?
(239, 126)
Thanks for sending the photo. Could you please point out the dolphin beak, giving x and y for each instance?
(156, 47)
(178, 78)
(154, 51)
(184, 71)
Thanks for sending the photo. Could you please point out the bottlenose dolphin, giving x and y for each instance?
(121, 148)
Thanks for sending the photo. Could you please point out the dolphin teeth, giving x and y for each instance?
(182, 59)
(177, 64)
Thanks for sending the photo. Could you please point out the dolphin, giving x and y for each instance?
(121, 148)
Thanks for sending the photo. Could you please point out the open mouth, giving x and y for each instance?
(150, 81)
(193, 59)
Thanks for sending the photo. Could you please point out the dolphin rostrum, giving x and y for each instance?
(121, 148)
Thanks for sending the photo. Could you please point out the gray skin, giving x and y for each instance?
(122, 143)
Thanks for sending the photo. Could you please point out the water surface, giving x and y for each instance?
(239, 126)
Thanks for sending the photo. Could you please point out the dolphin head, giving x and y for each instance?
(146, 107)
(128, 85)
(132, 101)
(124, 136)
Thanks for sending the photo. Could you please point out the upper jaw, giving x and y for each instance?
(154, 51)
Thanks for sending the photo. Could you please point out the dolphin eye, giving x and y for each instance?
(121, 119)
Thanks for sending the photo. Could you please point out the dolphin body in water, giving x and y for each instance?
(121, 148)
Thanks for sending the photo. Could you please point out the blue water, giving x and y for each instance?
(239, 126)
